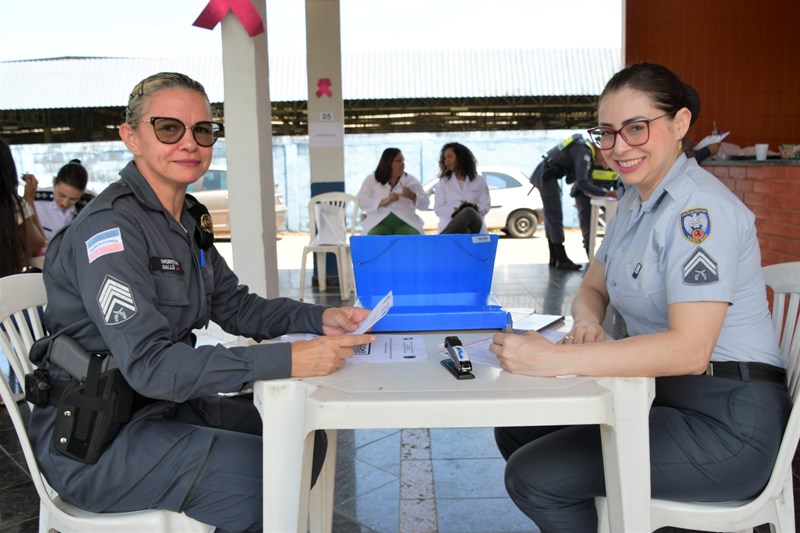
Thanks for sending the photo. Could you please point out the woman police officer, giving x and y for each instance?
(133, 275)
(681, 263)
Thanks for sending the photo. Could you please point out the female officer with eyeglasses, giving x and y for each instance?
(681, 263)
(133, 275)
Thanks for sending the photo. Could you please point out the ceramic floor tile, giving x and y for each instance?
(416, 480)
(418, 516)
(378, 509)
(489, 515)
(18, 506)
(383, 453)
(354, 478)
(469, 478)
(463, 443)
(415, 444)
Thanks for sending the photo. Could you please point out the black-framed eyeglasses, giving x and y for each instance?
(634, 133)
(170, 130)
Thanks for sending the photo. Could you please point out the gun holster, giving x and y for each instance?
(91, 412)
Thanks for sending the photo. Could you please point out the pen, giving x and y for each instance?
(509, 323)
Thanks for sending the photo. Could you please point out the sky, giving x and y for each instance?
(163, 28)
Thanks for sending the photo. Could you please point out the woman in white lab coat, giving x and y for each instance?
(461, 197)
(390, 198)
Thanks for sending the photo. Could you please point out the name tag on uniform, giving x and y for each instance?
(165, 264)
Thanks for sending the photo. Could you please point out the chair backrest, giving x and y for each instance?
(22, 300)
(22, 297)
(347, 203)
(784, 280)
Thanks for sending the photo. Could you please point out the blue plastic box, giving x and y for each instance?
(438, 282)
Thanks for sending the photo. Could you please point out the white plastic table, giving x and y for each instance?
(610, 205)
(423, 394)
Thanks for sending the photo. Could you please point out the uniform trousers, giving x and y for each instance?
(711, 439)
(583, 203)
(228, 492)
(393, 225)
(550, 190)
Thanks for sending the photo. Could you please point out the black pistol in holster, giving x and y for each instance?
(91, 407)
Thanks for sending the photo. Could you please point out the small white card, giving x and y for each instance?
(376, 314)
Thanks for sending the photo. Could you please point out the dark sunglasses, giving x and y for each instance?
(171, 130)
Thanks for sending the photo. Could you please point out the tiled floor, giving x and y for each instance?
(404, 481)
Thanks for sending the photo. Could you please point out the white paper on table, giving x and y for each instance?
(376, 314)
(711, 139)
(391, 349)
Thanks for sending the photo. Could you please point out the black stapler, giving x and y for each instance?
(458, 364)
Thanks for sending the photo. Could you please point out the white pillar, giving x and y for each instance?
(325, 102)
(248, 135)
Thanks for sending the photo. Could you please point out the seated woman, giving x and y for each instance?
(390, 198)
(20, 236)
(461, 197)
(131, 277)
(56, 206)
(694, 303)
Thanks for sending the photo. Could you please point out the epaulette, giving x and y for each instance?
(43, 196)
(85, 199)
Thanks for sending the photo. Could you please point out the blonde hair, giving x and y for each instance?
(143, 90)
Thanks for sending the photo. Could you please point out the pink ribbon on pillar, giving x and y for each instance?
(324, 87)
(244, 10)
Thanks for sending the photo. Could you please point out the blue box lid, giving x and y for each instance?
(438, 282)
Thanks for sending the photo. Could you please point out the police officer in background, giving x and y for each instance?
(573, 158)
(60, 204)
(131, 277)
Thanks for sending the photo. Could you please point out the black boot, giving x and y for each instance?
(552, 247)
(562, 261)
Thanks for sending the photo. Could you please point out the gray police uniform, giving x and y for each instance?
(712, 438)
(575, 161)
(127, 278)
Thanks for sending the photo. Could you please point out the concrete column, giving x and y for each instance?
(325, 103)
(248, 132)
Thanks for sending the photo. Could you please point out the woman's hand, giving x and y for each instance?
(389, 199)
(31, 184)
(323, 355)
(530, 354)
(342, 320)
(584, 332)
(408, 193)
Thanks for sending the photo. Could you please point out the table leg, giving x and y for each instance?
(321, 504)
(593, 230)
(626, 453)
(282, 407)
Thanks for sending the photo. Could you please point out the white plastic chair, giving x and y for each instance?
(349, 209)
(775, 504)
(21, 298)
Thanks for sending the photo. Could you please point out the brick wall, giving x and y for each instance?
(772, 193)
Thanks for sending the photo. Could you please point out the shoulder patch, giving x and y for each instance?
(696, 224)
(116, 301)
(700, 269)
(104, 243)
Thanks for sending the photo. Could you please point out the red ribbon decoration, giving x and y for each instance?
(324, 87)
(244, 10)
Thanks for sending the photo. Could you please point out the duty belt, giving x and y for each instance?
(746, 371)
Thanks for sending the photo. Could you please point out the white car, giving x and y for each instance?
(516, 207)
(212, 191)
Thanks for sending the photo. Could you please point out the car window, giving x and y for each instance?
(213, 180)
(496, 180)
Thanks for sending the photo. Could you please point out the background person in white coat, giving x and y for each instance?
(390, 198)
(461, 196)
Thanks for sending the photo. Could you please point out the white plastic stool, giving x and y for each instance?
(610, 205)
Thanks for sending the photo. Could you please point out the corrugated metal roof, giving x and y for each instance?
(105, 82)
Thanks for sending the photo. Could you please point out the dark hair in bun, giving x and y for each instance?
(73, 174)
(666, 90)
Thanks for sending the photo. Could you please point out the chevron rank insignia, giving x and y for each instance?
(116, 301)
(700, 269)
